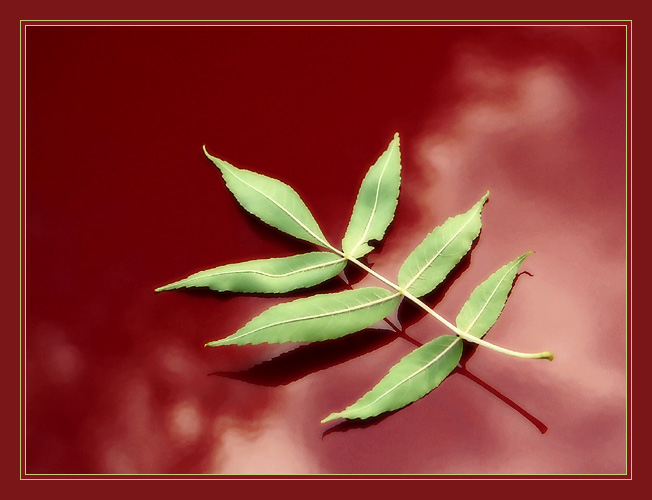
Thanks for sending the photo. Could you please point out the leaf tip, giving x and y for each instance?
(170, 286)
(216, 161)
(330, 417)
(395, 143)
(548, 355)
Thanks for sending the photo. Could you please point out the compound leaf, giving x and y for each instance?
(431, 261)
(411, 378)
(276, 275)
(376, 203)
(320, 317)
(272, 201)
(487, 301)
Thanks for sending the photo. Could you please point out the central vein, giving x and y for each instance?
(373, 211)
(315, 316)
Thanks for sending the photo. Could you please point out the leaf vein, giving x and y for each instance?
(373, 211)
(412, 375)
(493, 292)
(305, 228)
(263, 273)
(427, 265)
(315, 316)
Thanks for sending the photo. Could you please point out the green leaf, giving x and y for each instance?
(320, 317)
(271, 201)
(411, 378)
(376, 203)
(430, 262)
(487, 301)
(266, 275)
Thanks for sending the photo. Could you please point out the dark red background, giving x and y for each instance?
(120, 200)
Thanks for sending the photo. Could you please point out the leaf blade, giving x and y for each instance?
(485, 304)
(320, 317)
(272, 201)
(440, 251)
(414, 376)
(277, 275)
(376, 202)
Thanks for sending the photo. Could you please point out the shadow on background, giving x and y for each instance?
(467, 354)
(307, 359)
(310, 358)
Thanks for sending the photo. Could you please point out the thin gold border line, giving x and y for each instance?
(628, 228)
(328, 20)
(23, 292)
(311, 477)
(482, 477)
(628, 323)
(627, 330)
(326, 25)
(20, 252)
(22, 245)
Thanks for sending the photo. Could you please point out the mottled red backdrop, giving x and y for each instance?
(120, 200)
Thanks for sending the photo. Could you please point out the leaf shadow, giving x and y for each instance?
(462, 370)
(379, 245)
(354, 274)
(270, 233)
(306, 359)
(348, 425)
(468, 351)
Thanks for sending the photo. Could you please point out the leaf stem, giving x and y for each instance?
(471, 338)
(462, 334)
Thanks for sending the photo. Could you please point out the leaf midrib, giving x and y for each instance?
(429, 263)
(516, 264)
(263, 273)
(373, 212)
(305, 228)
(412, 375)
(315, 316)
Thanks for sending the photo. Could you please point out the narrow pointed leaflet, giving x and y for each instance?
(410, 379)
(276, 275)
(431, 261)
(376, 203)
(272, 201)
(487, 301)
(320, 317)
(426, 367)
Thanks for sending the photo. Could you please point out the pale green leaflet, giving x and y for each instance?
(267, 275)
(332, 315)
(374, 209)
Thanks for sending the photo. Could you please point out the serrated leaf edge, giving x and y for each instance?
(480, 204)
(205, 274)
(342, 414)
(394, 148)
(230, 339)
(515, 264)
(223, 164)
